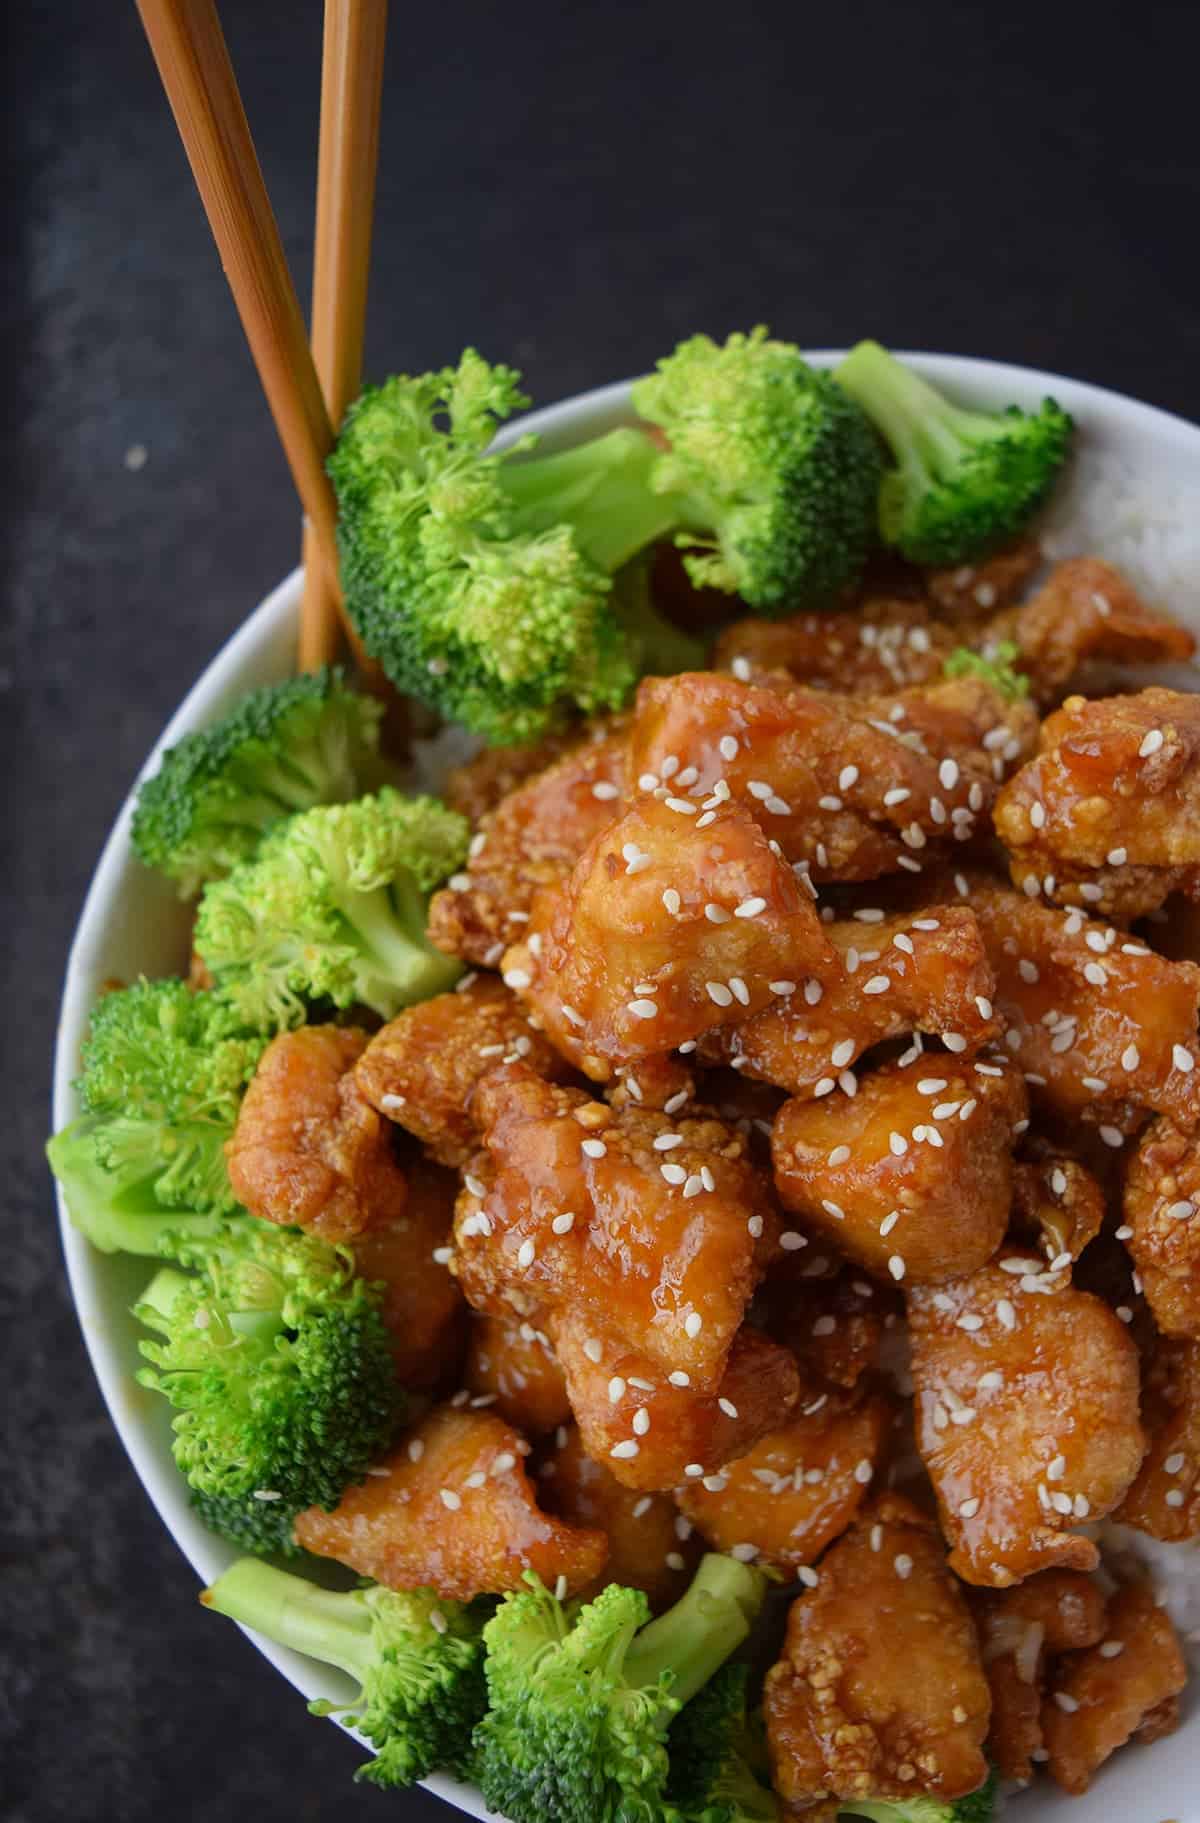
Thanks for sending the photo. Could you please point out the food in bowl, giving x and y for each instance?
(685, 1289)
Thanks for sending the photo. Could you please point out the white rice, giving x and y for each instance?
(1149, 527)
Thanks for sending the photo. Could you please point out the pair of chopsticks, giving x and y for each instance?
(307, 390)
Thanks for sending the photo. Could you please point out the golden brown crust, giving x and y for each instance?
(829, 1314)
(966, 592)
(1057, 1204)
(1055, 1611)
(1165, 1499)
(1162, 1208)
(511, 1362)
(422, 1306)
(888, 643)
(1103, 1696)
(1084, 610)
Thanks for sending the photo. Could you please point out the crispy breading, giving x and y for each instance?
(925, 971)
(1084, 610)
(852, 787)
(671, 923)
(968, 591)
(422, 1306)
(1057, 1203)
(308, 1149)
(453, 1508)
(479, 784)
(1055, 1611)
(512, 1360)
(653, 1430)
(830, 1315)
(879, 1691)
(1165, 1499)
(421, 1068)
(657, 1228)
(1109, 811)
(886, 644)
(1107, 1694)
(800, 1486)
(651, 1546)
(912, 1175)
(1020, 1451)
(1162, 1208)
(533, 838)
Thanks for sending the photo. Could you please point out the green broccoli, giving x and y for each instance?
(164, 1070)
(333, 907)
(580, 1705)
(279, 1367)
(964, 481)
(718, 1757)
(772, 471)
(417, 1659)
(285, 747)
(977, 1807)
(264, 1527)
(995, 665)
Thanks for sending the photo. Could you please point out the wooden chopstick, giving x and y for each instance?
(351, 86)
(189, 48)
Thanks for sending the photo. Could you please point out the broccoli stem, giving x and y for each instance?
(695, 1637)
(163, 1289)
(915, 419)
(390, 924)
(321, 1623)
(601, 489)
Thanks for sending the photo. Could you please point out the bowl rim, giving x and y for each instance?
(266, 628)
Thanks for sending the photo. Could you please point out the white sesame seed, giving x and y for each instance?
(863, 1471)
(1006, 1313)
(671, 901)
(693, 1325)
(1150, 743)
(1096, 975)
(967, 1509)
(825, 1086)
(896, 1267)
(1112, 1136)
(739, 990)
(1066, 1702)
(643, 1009)
(903, 1565)
(970, 1322)
(449, 1499)
(813, 993)
(808, 1577)
(954, 1042)
(842, 1053)
(525, 1253)
(888, 1223)
(693, 1470)
(777, 807)
(626, 1449)
(895, 796)
(1111, 1648)
(782, 988)
(672, 1174)
(593, 1350)
(1175, 1498)
(517, 978)
(829, 803)
(616, 1390)
(718, 993)
(679, 1378)
(641, 1421)
(728, 1407)
(791, 1242)
(984, 1005)
(443, 1255)
(1037, 815)
(839, 1155)
(750, 908)
(1182, 1059)
(897, 1144)
(903, 942)
(693, 1185)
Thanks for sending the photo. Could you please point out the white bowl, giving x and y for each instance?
(132, 923)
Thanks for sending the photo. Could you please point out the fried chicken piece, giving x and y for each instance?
(968, 591)
(913, 1174)
(886, 644)
(1020, 1449)
(1109, 811)
(308, 1149)
(800, 1486)
(1056, 1611)
(665, 929)
(828, 1314)
(1058, 1204)
(651, 1546)
(848, 1713)
(422, 1306)
(852, 787)
(532, 839)
(421, 1068)
(453, 1508)
(1122, 1689)
(514, 1363)
(925, 971)
(1102, 1026)
(654, 1430)
(480, 783)
(1164, 1501)
(1162, 1210)
(655, 1228)
(1085, 609)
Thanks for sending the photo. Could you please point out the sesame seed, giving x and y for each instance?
(863, 1471)
(517, 978)
(740, 991)
(967, 1509)
(503, 1462)
(593, 1350)
(903, 1565)
(643, 1009)
(829, 803)
(718, 993)
(1150, 743)
(1096, 975)
(672, 1174)
(897, 1144)
(825, 1086)
(1174, 1463)
(896, 1267)
(1037, 815)
(707, 1178)
(842, 1053)
(1006, 1313)
(1182, 1059)
(970, 1322)
(839, 1155)
(777, 807)
(896, 796)
(791, 1242)
(954, 1042)
(990, 1381)
(808, 1577)
(616, 1390)
(1175, 1497)
(449, 1499)
(813, 993)
(693, 1470)
(693, 1325)
(1111, 1648)
(679, 1378)
(1066, 1702)
(1097, 1085)
(889, 1222)
(641, 1421)
(525, 1253)
(563, 1224)
(626, 1449)
(1112, 1136)
(443, 1255)
(671, 901)
(693, 1186)
(782, 988)
(728, 1407)
(750, 908)
(948, 774)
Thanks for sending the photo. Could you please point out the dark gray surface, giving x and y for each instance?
(572, 189)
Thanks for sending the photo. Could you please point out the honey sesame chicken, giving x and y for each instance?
(1019, 1629)
(912, 1176)
(884, 645)
(847, 1711)
(656, 1227)
(308, 1149)
(651, 1546)
(1164, 1501)
(966, 592)
(510, 1361)
(1021, 1452)
(1162, 1213)
(921, 972)
(452, 1508)
(480, 783)
(1109, 811)
(1121, 1689)
(789, 1497)
(422, 1306)
(1085, 610)
(654, 1430)
(664, 930)
(830, 1315)
(849, 787)
(420, 1069)
(1058, 1204)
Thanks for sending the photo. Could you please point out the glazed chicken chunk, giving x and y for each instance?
(847, 1711)
(830, 1315)
(1109, 811)
(886, 644)
(422, 1306)
(1126, 1687)
(421, 1068)
(1058, 1204)
(1164, 1501)
(308, 1149)
(966, 592)
(452, 1508)
(912, 1175)
(511, 1362)
(1019, 1629)
(1020, 1451)
(1086, 610)
(1162, 1212)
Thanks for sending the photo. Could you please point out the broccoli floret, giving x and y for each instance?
(264, 1527)
(278, 1365)
(773, 470)
(482, 581)
(333, 907)
(310, 740)
(718, 1757)
(977, 1807)
(580, 1705)
(964, 481)
(417, 1659)
(994, 666)
(164, 1070)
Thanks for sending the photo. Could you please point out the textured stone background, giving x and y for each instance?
(572, 188)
